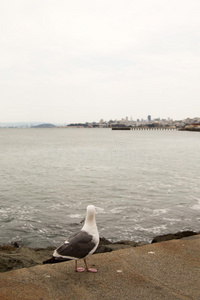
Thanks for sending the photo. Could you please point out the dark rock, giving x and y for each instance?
(168, 237)
(104, 241)
(142, 243)
(108, 246)
(103, 249)
(6, 248)
(50, 248)
(126, 242)
(17, 244)
(12, 258)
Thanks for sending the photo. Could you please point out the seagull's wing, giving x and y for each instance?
(78, 246)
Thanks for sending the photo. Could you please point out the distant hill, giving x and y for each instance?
(45, 125)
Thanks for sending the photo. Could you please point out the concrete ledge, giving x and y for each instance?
(166, 270)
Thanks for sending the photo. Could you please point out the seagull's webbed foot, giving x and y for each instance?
(80, 270)
(90, 269)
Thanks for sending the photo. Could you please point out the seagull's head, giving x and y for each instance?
(90, 212)
(91, 209)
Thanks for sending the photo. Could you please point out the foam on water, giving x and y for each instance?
(152, 230)
(75, 216)
(161, 211)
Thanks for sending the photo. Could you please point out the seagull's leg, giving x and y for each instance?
(89, 269)
(78, 269)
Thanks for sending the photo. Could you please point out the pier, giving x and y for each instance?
(144, 128)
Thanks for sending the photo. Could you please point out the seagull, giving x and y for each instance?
(79, 245)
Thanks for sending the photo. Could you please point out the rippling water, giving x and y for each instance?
(143, 183)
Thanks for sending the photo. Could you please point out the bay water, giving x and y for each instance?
(143, 183)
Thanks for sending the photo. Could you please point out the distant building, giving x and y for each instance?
(149, 118)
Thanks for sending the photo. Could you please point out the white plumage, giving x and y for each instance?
(81, 244)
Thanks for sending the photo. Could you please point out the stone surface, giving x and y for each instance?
(13, 257)
(166, 270)
(16, 256)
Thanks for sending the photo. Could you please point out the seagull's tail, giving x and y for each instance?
(54, 260)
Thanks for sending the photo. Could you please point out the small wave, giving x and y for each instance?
(75, 216)
(154, 230)
(172, 220)
(155, 212)
(100, 210)
(196, 206)
(6, 219)
(117, 210)
(58, 206)
(43, 230)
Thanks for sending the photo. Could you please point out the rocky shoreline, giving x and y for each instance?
(16, 256)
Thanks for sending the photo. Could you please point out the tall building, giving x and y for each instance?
(149, 118)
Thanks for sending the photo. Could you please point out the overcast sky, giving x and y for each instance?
(67, 61)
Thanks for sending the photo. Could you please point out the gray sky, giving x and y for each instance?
(67, 61)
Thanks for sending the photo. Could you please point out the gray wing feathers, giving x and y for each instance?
(78, 246)
(80, 236)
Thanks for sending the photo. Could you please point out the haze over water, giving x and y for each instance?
(143, 183)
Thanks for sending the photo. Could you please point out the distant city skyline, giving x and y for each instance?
(126, 121)
(80, 61)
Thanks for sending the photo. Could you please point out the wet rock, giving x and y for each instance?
(6, 248)
(108, 246)
(12, 258)
(126, 242)
(17, 244)
(104, 241)
(103, 249)
(168, 237)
